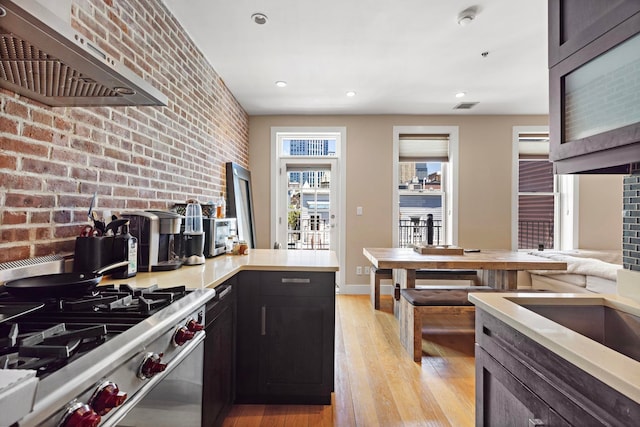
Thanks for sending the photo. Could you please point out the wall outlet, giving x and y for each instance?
(359, 270)
(366, 269)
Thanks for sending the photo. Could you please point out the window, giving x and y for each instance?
(425, 185)
(538, 197)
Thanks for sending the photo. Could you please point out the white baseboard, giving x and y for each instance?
(364, 290)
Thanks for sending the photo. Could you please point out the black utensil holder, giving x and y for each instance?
(93, 253)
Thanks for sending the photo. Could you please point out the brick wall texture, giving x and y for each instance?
(631, 222)
(52, 160)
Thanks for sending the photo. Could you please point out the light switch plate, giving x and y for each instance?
(359, 210)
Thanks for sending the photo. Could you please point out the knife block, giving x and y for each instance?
(93, 253)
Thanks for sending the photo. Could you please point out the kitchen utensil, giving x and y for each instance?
(99, 226)
(89, 231)
(11, 310)
(115, 225)
(93, 201)
(62, 284)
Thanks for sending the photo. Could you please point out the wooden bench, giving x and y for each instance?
(433, 303)
(377, 275)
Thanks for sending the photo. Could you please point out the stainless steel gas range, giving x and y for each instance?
(119, 356)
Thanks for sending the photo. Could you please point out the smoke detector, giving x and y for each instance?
(467, 16)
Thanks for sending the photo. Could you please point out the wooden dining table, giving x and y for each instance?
(495, 268)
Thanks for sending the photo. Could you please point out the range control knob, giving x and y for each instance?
(182, 335)
(151, 365)
(194, 326)
(79, 414)
(106, 397)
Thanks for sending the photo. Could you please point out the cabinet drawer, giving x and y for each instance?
(297, 283)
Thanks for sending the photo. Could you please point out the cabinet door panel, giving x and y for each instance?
(575, 23)
(502, 400)
(593, 123)
(248, 334)
(296, 345)
(219, 354)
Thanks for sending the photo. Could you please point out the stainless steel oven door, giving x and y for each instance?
(174, 400)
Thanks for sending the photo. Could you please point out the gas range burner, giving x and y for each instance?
(123, 298)
(111, 299)
(46, 347)
(65, 328)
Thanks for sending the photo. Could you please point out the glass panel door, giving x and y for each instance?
(309, 206)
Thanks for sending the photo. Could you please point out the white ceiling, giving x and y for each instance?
(399, 56)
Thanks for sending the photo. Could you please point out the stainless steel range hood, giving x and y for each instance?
(43, 58)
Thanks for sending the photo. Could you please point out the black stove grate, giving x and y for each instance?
(68, 327)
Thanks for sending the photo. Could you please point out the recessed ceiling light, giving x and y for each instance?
(460, 94)
(259, 18)
(281, 83)
(351, 93)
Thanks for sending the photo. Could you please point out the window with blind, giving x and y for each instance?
(422, 182)
(537, 193)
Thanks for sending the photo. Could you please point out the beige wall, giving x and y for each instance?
(600, 207)
(484, 178)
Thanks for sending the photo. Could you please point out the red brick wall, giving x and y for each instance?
(52, 160)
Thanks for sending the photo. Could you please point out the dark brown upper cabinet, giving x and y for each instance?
(594, 84)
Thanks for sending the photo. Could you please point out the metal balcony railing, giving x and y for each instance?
(535, 235)
(416, 230)
(313, 233)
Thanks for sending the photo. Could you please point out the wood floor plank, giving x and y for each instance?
(377, 383)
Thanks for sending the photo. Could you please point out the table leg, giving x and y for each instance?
(499, 279)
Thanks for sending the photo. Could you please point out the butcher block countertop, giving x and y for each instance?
(216, 270)
(486, 259)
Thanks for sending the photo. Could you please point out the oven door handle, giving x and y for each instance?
(117, 414)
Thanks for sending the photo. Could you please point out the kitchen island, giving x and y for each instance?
(557, 359)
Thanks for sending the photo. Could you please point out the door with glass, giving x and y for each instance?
(307, 209)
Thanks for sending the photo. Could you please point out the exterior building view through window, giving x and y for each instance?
(308, 195)
(421, 203)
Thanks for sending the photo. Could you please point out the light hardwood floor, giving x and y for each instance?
(376, 381)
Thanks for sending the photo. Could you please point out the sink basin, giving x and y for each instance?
(613, 328)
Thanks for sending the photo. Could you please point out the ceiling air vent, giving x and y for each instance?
(465, 106)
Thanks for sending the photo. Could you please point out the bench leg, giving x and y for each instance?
(410, 330)
(411, 320)
(374, 280)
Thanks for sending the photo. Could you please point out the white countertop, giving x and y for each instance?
(612, 368)
(216, 270)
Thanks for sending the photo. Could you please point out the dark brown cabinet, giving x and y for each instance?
(219, 355)
(286, 334)
(521, 383)
(594, 111)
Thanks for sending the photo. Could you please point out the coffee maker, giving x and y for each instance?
(193, 236)
(158, 234)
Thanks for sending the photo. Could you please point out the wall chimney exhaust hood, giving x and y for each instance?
(43, 58)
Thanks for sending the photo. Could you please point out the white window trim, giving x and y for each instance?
(341, 155)
(450, 205)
